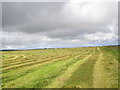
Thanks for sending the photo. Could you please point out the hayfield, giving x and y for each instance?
(85, 67)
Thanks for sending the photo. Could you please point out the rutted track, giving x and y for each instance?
(99, 80)
(106, 71)
(83, 75)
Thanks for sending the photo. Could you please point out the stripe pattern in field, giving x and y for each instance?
(60, 68)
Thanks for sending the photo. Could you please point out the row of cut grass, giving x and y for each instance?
(59, 81)
(39, 78)
(83, 76)
(14, 74)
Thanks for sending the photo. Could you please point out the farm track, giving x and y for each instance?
(83, 74)
(99, 72)
(105, 74)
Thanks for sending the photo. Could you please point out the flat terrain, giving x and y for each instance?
(86, 67)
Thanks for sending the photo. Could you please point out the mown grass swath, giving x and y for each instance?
(49, 68)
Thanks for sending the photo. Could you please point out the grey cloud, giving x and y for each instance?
(50, 24)
(0, 16)
(15, 13)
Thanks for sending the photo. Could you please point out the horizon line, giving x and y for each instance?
(57, 47)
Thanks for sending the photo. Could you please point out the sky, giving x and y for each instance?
(59, 24)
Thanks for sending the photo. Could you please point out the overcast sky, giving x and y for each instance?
(58, 24)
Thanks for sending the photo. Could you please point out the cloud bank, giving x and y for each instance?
(58, 24)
